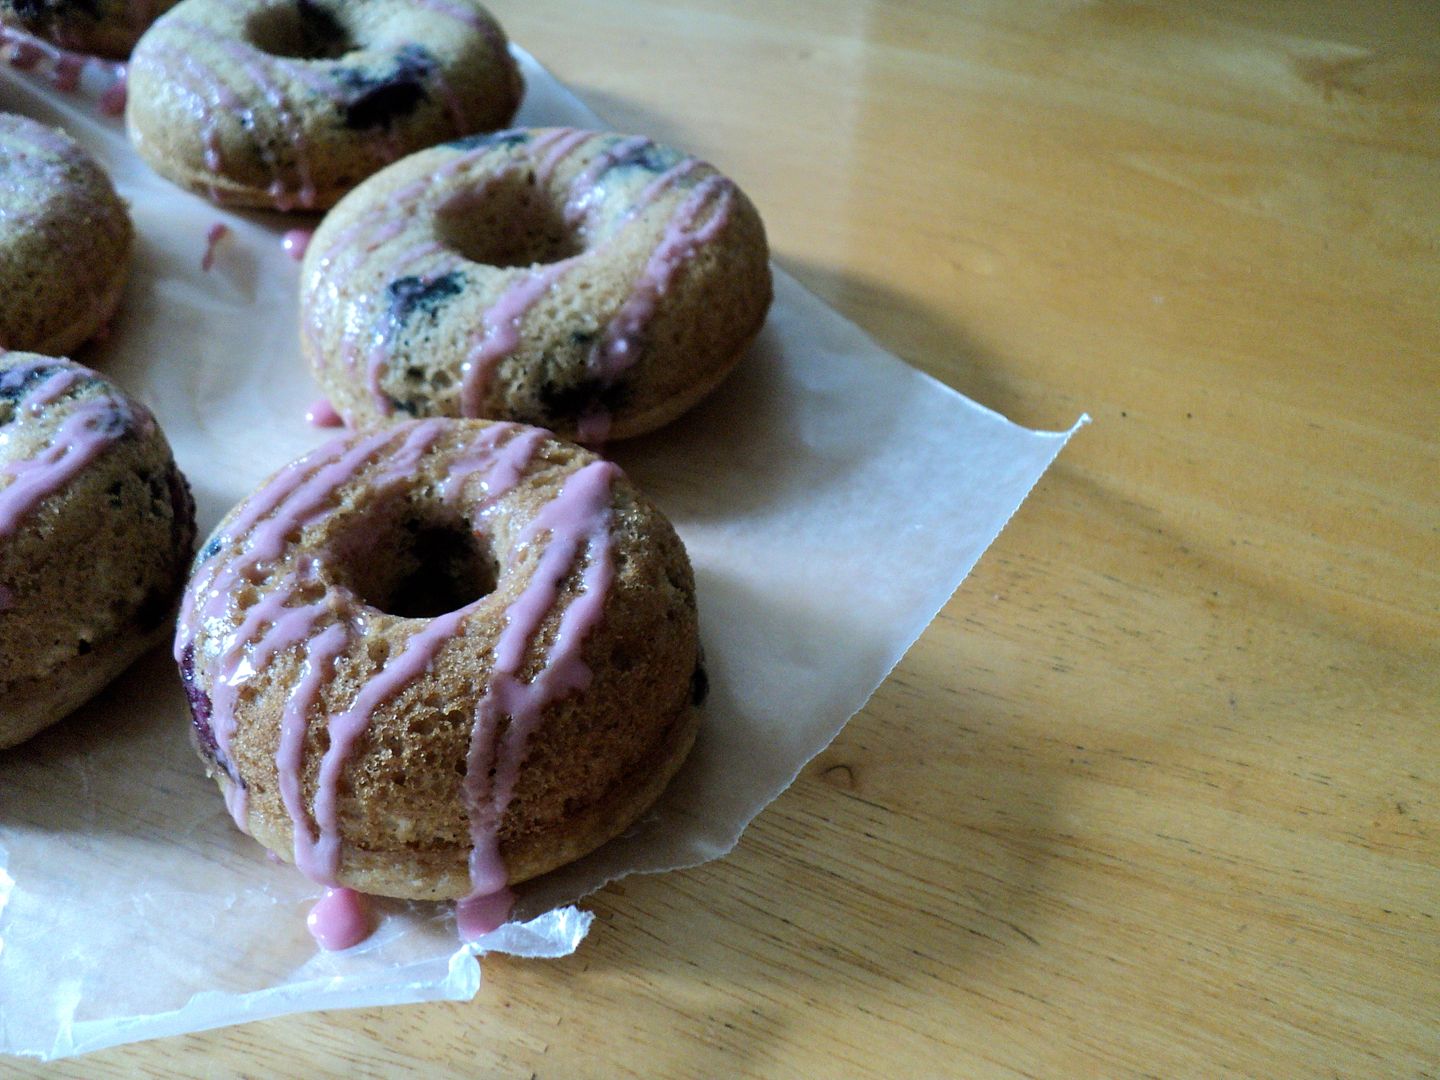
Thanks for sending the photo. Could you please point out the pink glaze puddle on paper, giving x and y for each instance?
(340, 919)
(296, 242)
(218, 232)
(321, 414)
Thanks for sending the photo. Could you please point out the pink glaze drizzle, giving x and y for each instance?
(218, 232)
(340, 919)
(322, 414)
(83, 436)
(578, 521)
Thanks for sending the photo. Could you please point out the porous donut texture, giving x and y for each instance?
(96, 531)
(98, 27)
(65, 240)
(432, 659)
(592, 283)
(291, 103)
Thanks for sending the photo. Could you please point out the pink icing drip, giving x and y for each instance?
(217, 233)
(52, 389)
(296, 242)
(297, 481)
(341, 918)
(112, 101)
(577, 519)
(584, 187)
(83, 436)
(480, 913)
(503, 466)
(682, 237)
(321, 654)
(501, 323)
(502, 331)
(550, 149)
(322, 414)
(346, 729)
(68, 69)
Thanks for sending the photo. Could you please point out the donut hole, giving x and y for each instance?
(417, 566)
(510, 221)
(304, 30)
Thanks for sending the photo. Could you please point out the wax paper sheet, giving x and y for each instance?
(831, 498)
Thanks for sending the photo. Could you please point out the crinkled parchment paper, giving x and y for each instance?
(831, 498)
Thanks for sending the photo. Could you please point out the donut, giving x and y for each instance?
(595, 284)
(65, 240)
(107, 28)
(439, 658)
(291, 103)
(96, 531)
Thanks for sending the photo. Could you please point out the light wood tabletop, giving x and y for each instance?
(1156, 794)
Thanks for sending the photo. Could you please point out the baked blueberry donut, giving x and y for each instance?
(595, 284)
(65, 240)
(96, 529)
(291, 103)
(442, 657)
(98, 27)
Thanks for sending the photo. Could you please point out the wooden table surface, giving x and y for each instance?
(1157, 792)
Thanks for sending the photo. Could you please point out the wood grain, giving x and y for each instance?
(1157, 793)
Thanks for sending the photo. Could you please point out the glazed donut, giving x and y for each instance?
(291, 103)
(595, 284)
(98, 27)
(96, 529)
(440, 658)
(65, 240)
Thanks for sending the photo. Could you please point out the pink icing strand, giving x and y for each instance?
(577, 519)
(583, 188)
(340, 919)
(83, 436)
(319, 668)
(52, 389)
(502, 331)
(550, 149)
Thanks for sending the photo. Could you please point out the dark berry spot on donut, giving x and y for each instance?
(568, 402)
(307, 31)
(652, 159)
(490, 138)
(381, 101)
(200, 707)
(210, 550)
(699, 685)
(408, 295)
